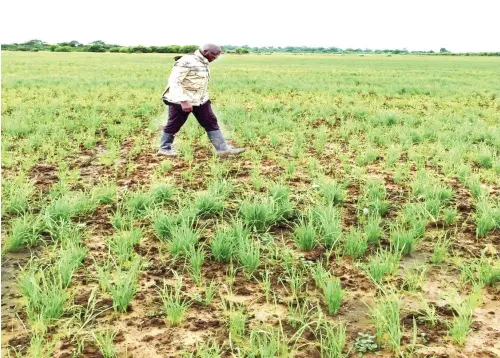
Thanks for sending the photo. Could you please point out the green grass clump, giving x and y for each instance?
(44, 292)
(261, 213)
(355, 244)
(386, 318)
(26, 231)
(305, 235)
(174, 305)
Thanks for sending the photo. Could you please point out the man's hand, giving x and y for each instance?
(187, 106)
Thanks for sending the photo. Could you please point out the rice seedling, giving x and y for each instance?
(208, 203)
(441, 249)
(313, 167)
(121, 220)
(450, 216)
(459, 328)
(260, 213)
(393, 155)
(258, 181)
(209, 291)
(40, 347)
(174, 306)
(374, 198)
(124, 286)
(275, 140)
(231, 274)
(320, 139)
(237, 322)
(483, 271)
(298, 145)
(386, 318)
(413, 280)
(44, 293)
(105, 342)
(305, 235)
(300, 314)
(486, 217)
(266, 282)
(484, 158)
(187, 215)
(401, 173)
(422, 183)
(248, 255)
(206, 349)
(333, 293)
(227, 240)
(295, 280)
(281, 195)
(433, 207)
(26, 231)
(403, 240)
(184, 239)
(475, 186)
(384, 262)
(355, 244)
(196, 257)
(104, 275)
(165, 166)
(332, 340)
(104, 193)
(187, 151)
(428, 312)
(485, 223)
(332, 192)
(367, 156)
(69, 206)
(373, 230)
(328, 224)
(110, 157)
(64, 232)
(414, 212)
(122, 245)
(286, 256)
(290, 168)
(320, 275)
(70, 258)
(138, 203)
(161, 193)
(268, 343)
(223, 245)
(163, 224)
(16, 195)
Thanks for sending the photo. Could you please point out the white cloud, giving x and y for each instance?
(424, 24)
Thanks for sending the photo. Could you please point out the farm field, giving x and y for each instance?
(363, 218)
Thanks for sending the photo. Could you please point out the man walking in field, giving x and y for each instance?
(186, 92)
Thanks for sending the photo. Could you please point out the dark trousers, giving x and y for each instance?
(177, 117)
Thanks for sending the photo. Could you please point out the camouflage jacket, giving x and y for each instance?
(188, 80)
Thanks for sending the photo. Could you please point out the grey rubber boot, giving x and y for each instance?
(166, 145)
(221, 147)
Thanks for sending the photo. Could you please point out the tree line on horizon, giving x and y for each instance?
(101, 46)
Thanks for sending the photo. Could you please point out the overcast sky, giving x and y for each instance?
(377, 24)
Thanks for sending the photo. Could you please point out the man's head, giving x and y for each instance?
(210, 51)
